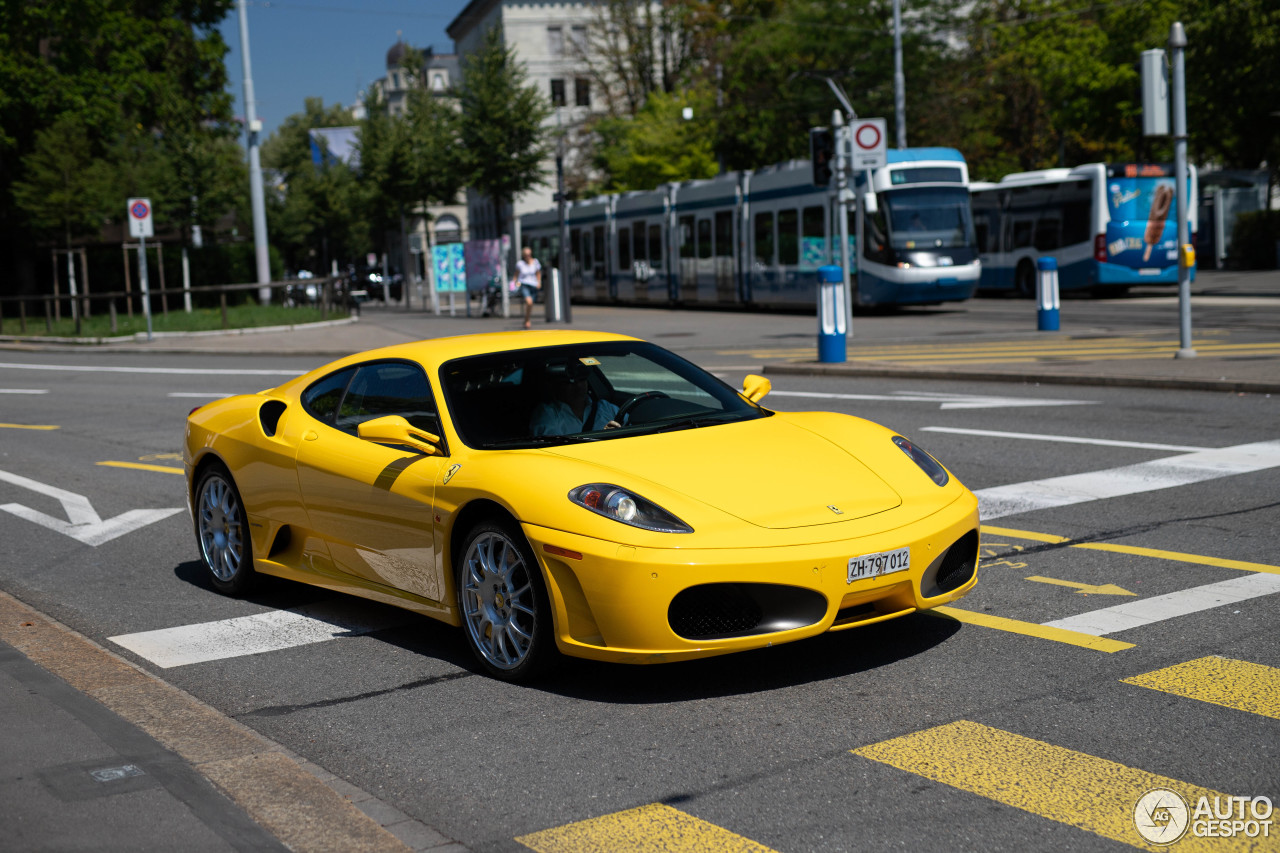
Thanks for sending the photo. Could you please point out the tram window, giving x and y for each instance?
(638, 230)
(814, 234)
(764, 238)
(1075, 223)
(655, 245)
(624, 249)
(724, 234)
(598, 243)
(575, 250)
(704, 238)
(788, 238)
(1022, 231)
(1047, 233)
(686, 237)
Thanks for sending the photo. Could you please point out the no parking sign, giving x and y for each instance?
(869, 143)
(140, 218)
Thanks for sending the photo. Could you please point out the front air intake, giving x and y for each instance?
(718, 611)
(953, 569)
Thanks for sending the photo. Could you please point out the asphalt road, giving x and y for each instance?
(760, 745)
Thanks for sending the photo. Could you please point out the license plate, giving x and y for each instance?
(881, 563)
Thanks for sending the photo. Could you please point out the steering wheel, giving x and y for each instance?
(633, 401)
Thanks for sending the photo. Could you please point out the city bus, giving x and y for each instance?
(1109, 226)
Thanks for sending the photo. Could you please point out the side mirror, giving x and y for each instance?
(394, 429)
(755, 387)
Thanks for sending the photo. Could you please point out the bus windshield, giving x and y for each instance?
(922, 218)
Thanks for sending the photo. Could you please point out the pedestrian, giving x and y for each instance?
(529, 281)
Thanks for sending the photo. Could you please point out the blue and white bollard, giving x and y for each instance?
(1047, 294)
(832, 325)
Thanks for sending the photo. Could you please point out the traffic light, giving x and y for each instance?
(822, 153)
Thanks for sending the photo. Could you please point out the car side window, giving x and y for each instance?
(321, 400)
(388, 388)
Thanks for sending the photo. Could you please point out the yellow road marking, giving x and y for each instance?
(1084, 588)
(163, 469)
(1060, 784)
(1237, 684)
(28, 426)
(1031, 629)
(1023, 534)
(654, 827)
(1176, 556)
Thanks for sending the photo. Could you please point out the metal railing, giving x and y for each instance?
(331, 295)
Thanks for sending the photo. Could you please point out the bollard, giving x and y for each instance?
(1047, 294)
(832, 323)
(553, 297)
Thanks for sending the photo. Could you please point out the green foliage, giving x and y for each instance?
(658, 145)
(312, 211)
(500, 128)
(63, 186)
(128, 76)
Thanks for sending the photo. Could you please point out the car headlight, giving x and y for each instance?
(927, 463)
(627, 507)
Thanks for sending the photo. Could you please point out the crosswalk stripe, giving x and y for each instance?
(1136, 614)
(1242, 685)
(1063, 785)
(1163, 473)
(261, 632)
(647, 829)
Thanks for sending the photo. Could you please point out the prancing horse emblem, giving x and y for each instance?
(834, 509)
(453, 470)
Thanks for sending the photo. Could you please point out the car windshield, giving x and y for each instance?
(583, 392)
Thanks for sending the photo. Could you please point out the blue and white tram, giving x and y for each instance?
(758, 237)
(918, 243)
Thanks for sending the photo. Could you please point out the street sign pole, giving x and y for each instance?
(142, 274)
(1177, 46)
(841, 132)
(140, 226)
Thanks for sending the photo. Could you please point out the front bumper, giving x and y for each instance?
(616, 602)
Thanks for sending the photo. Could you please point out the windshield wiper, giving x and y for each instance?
(692, 422)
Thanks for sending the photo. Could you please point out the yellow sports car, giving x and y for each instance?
(574, 492)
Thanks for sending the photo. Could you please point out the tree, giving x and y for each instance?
(62, 188)
(500, 126)
(125, 72)
(314, 214)
(658, 145)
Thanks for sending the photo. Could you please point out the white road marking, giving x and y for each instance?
(948, 401)
(261, 632)
(1150, 476)
(1135, 614)
(83, 523)
(1066, 439)
(22, 391)
(199, 394)
(171, 371)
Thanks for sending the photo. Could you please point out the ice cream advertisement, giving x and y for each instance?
(1143, 231)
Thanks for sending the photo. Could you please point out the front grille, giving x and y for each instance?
(713, 610)
(958, 564)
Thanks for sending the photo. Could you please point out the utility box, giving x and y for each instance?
(1155, 93)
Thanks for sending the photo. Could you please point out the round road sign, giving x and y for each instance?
(867, 137)
(140, 209)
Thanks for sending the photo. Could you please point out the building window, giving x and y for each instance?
(582, 92)
(578, 39)
(395, 79)
(555, 41)
(557, 93)
(437, 82)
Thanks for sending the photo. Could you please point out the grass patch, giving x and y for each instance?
(199, 320)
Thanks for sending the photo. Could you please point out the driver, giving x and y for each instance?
(571, 408)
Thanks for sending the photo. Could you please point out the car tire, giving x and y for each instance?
(222, 531)
(503, 602)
